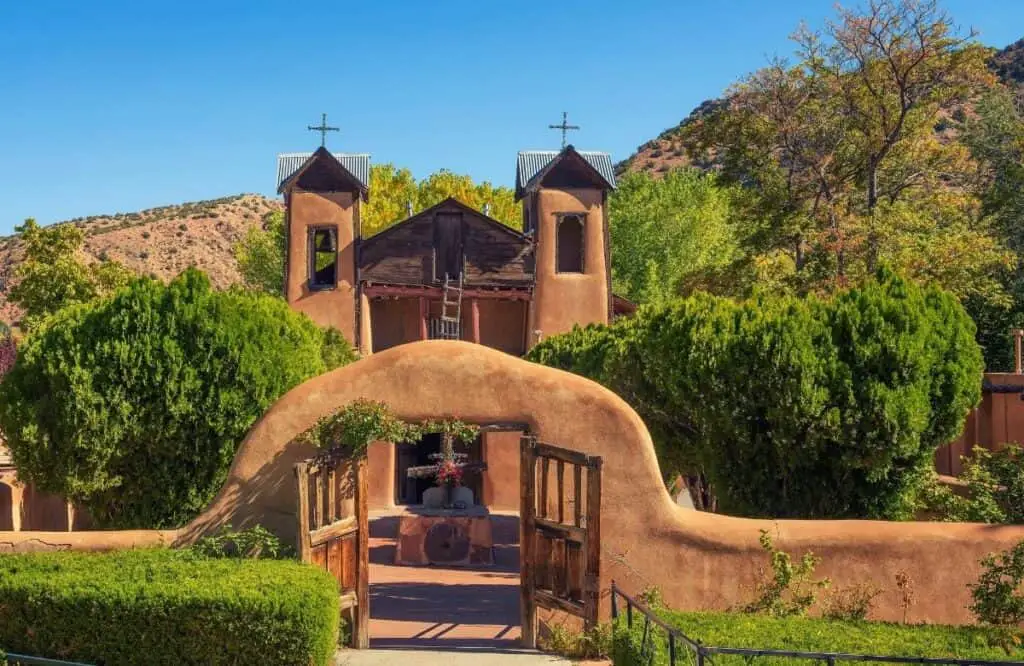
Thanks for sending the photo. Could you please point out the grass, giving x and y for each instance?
(803, 634)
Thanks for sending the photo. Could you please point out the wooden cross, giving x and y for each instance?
(323, 129)
(565, 126)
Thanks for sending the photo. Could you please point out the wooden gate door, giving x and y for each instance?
(560, 534)
(334, 532)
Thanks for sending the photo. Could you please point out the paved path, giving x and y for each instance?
(444, 608)
(446, 658)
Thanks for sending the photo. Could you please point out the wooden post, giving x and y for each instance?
(423, 318)
(592, 579)
(527, 505)
(302, 485)
(475, 308)
(361, 632)
(1017, 335)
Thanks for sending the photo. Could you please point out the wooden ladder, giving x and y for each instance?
(451, 324)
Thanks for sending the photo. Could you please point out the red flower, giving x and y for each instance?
(449, 473)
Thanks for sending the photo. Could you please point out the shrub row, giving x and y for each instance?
(803, 635)
(793, 407)
(166, 607)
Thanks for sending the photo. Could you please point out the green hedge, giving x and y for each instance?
(802, 634)
(166, 607)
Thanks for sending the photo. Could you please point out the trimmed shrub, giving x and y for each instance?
(134, 406)
(166, 607)
(801, 634)
(794, 407)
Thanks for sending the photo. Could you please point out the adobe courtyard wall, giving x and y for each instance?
(699, 560)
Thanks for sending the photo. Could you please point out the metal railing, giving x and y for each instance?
(677, 639)
(25, 660)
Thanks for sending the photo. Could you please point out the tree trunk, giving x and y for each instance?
(872, 258)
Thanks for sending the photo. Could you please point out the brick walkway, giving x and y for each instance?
(444, 608)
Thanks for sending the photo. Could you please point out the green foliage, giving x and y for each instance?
(335, 349)
(253, 543)
(788, 590)
(850, 603)
(807, 634)
(793, 407)
(997, 599)
(994, 489)
(353, 427)
(134, 406)
(51, 277)
(595, 643)
(667, 233)
(260, 255)
(167, 607)
(995, 136)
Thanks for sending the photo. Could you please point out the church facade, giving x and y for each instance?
(450, 271)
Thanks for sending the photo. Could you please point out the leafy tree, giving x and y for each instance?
(394, 189)
(995, 136)
(52, 277)
(794, 407)
(841, 158)
(260, 255)
(668, 233)
(134, 405)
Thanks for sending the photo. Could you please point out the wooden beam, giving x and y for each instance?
(302, 486)
(475, 309)
(527, 506)
(362, 629)
(572, 457)
(423, 318)
(333, 531)
(411, 291)
(549, 600)
(560, 530)
(592, 578)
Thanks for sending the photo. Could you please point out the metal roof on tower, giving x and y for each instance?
(358, 164)
(532, 162)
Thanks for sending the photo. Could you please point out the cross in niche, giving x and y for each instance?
(565, 126)
(323, 129)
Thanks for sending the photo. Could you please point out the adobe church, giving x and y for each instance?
(450, 271)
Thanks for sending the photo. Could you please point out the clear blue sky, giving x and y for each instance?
(117, 105)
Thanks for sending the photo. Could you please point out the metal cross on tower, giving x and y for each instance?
(565, 126)
(323, 129)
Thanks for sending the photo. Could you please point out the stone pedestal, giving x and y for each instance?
(445, 537)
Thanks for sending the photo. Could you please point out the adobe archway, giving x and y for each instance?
(698, 560)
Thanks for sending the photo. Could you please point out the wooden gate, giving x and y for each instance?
(334, 532)
(560, 534)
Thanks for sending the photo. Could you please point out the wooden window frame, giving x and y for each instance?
(581, 219)
(311, 263)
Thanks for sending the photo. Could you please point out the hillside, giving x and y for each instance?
(160, 241)
(665, 151)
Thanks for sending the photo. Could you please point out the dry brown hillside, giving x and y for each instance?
(160, 241)
(666, 151)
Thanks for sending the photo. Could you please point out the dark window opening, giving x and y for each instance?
(410, 490)
(569, 245)
(447, 246)
(323, 258)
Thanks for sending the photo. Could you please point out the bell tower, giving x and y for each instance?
(322, 197)
(565, 197)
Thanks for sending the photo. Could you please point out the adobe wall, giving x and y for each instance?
(329, 307)
(698, 560)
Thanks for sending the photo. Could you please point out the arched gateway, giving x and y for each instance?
(698, 560)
